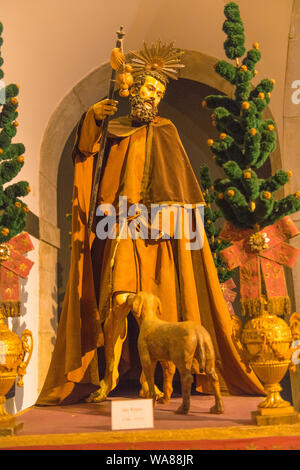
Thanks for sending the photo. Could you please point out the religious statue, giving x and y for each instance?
(144, 165)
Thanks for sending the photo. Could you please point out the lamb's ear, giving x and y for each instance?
(135, 302)
(140, 307)
(159, 307)
(130, 300)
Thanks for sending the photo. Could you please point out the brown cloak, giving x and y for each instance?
(148, 164)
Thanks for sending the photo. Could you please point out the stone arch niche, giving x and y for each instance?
(198, 75)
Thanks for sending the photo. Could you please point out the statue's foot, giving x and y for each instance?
(182, 410)
(163, 400)
(218, 408)
(144, 392)
(99, 395)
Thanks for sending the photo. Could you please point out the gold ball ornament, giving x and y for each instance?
(18, 204)
(125, 78)
(204, 104)
(4, 252)
(271, 127)
(20, 158)
(252, 206)
(244, 68)
(267, 195)
(230, 193)
(1, 151)
(245, 105)
(221, 196)
(247, 175)
(223, 135)
(297, 194)
(124, 93)
(28, 189)
(255, 45)
(269, 94)
(210, 142)
(289, 173)
(255, 72)
(14, 100)
(5, 231)
(252, 131)
(261, 95)
(15, 123)
(273, 81)
(25, 208)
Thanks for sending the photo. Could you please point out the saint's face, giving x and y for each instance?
(145, 99)
(152, 92)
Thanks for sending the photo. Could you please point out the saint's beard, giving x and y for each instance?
(139, 112)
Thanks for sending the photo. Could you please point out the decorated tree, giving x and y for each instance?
(12, 209)
(213, 215)
(257, 226)
(212, 225)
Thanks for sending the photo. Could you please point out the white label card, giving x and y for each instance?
(132, 414)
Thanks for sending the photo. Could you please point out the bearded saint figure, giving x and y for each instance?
(145, 162)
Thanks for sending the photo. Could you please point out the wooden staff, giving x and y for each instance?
(99, 164)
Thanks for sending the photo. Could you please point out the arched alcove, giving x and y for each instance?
(182, 104)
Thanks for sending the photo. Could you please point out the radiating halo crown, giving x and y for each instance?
(161, 58)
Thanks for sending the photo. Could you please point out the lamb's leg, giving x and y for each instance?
(210, 370)
(218, 407)
(186, 379)
(169, 369)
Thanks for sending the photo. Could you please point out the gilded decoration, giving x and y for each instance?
(265, 345)
(15, 352)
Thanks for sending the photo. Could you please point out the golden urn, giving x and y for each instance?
(267, 341)
(15, 354)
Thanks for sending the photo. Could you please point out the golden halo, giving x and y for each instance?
(158, 57)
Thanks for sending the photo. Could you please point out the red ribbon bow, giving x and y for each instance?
(272, 254)
(17, 265)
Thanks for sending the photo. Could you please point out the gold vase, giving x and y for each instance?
(15, 354)
(267, 341)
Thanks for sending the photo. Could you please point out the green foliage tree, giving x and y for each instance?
(246, 139)
(12, 209)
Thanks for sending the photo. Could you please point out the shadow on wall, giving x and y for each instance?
(64, 202)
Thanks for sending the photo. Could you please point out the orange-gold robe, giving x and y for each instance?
(147, 164)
